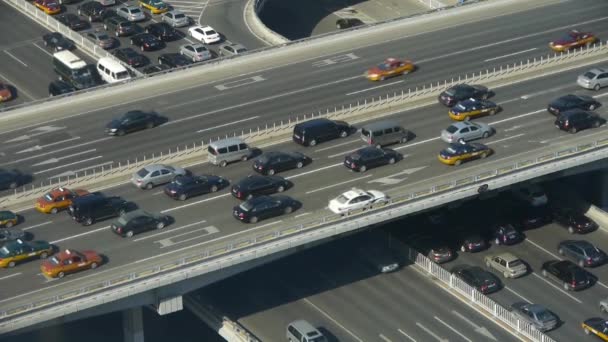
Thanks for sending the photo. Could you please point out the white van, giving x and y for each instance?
(111, 71)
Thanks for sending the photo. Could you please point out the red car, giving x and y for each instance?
(70, 261)
(571, 40)
(5, 93)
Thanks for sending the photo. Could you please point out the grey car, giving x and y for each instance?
(131, 13)
(156, 174)
(594, 79)
(102, 39)
(196, 52)
(583, 252)
(466, 131)
(231, 49)
(176, 18)
(537, 315)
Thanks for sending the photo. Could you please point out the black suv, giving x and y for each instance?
(162, 31)
(174, 60)
(575, 120)
(314, 131)
(506, 234)
(574, 220)
(72, 21)
(146, 42)
(96, 207)
(92, 10)
(567, 102)
(482, 280)
(460, 92)
(185, 187)
(131, 57)
(10, 179)
(368, 157)
(568, 273)
(271, 162)
(57, 41)
(120, 26)
(59, 88)
(254, 185)
(132, 121)
(262, 207)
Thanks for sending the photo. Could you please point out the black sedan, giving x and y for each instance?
(131, 57)
(185, 187)
(567, 102)
(72, 21)
(10, 179)
(460, 92)
(473, 243)
(162, 31)
(92, 10)
(272, 162)
(574, 220)
(482, 280)
(152, 69)
(506, 234)
(263, 207)
(570, 275)
(146, 42)
(575, 120)
(174, 60)
(7, 235)
(138, 221)
(58, 87)
(254, 185)
(530, 217)
(369, 157)
(132, 121)
(57, 41)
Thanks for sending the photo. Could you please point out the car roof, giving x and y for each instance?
(135, 213)
(462, 124)
(226, 142)
(156, 167)
(381, 125)
(507, 256)
(354, 192)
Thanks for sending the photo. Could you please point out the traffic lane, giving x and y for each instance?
(21, 29)
(228, 18)
(33, 68)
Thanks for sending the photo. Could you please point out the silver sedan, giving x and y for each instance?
(466, 131)
(196, 52)
(176, 18)
(155, 174)
(537, 315)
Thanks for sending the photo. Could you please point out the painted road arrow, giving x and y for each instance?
(430, 332)
(480, 330)
(39, 131)
(39, 147)
(391, 180)
(55, 160)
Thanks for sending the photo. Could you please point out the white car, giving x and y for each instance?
(532, 194)
(355, 199)
(205, 34)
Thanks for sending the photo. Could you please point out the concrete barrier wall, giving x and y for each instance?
(599, 216)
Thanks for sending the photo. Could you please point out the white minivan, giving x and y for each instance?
(111, 71)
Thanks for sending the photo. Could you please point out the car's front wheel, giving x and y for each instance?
(94, 265)
(596, 87)
(253, 219)
(160, 225)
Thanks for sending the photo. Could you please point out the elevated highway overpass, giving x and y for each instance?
(524, 132)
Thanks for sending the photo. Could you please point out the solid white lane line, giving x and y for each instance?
(517, 294)
(66, 165)
(372, 88)
(269, 224)
(79, 235)
(303, 214)
(10, 276)
(336, 145)
(509, 55)
(158, 193)
(429, 331)
(337, 184)
(543, 249)
(516, 117)
(37, 225)
(42, 49)
(15, 58)
(227, 124)
(557, 288)
(341, 154)
(332, 319)
(165, 231)
(313, 171)
(453, 329)
(504, 139)
(417, 143)
(384, 338)
(406, 335)
(546, 91)
(193, 203)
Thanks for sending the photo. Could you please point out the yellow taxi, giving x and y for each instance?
(596, 326)
(455, 154)
(17, 251)
(70, 261)
(58, 199)
(573, 39)
(472, 108)
(155, 6)
(389, 68)
(48, 6)
(8, 218)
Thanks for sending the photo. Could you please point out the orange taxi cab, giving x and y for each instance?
(58, 199)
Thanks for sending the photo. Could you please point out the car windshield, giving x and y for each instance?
(135, 10)
(544, 315)
(515, 263)
(54, 260)
(567, 38)
(103, 37)
(200, 49)
(246, 206)
(142, 173)
(209, 32)
(241, 50)
(122, 75)
(211, 150)
(384, 66)
(460, 107)
(82, 72)
(450, 150)
(122, 221)
(4, 251)
(48, 197)
(450, 92)
(341, 199)
(179, 16)
(589, 75)
(452, 129)
(590, 250)
(318, 339)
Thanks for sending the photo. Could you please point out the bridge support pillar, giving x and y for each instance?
(168, 305)
(603, 189)
(133, 325)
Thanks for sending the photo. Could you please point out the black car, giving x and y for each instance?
(138, 221)
(568, 273)
(92, 10)
(72, 21)
(369, 157)
(262, 207)
(146, 42)
(482, 280)
(152, 69)
(506, 234)
(131, 57)
(583, 252)
(473, 243)
(567, 102)
(254, 185)
(132, 121)
(162, 31)
(96, 207)
(461, 92)
(272, 162)
(119, 26)
(573, 220)
(8, 235)
(10, 179)
(315, 131)
(530, 217)
(57, 41)
(575, 120)
(59, 88)
(174, 60)
(344, 23)
(185, 187)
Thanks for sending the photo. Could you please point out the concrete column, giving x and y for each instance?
(602, 187)
(133, 325)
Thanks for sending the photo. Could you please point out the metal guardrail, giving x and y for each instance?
(477, 298)
(284, 126)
